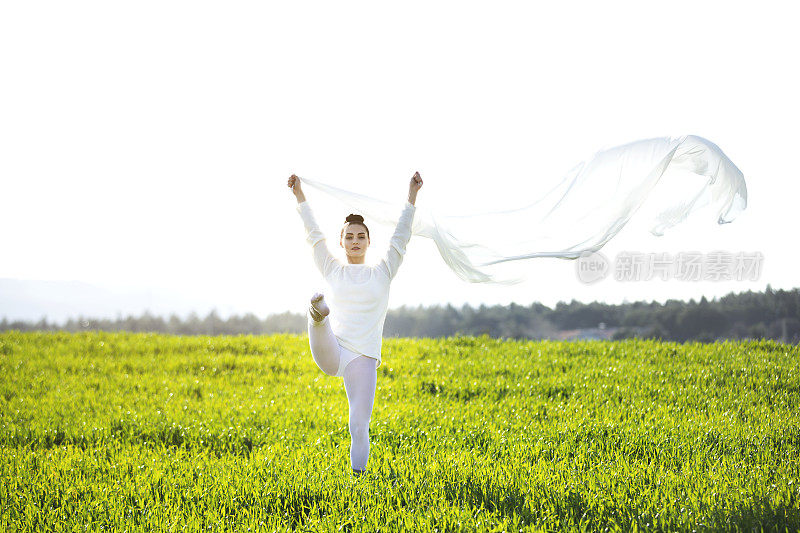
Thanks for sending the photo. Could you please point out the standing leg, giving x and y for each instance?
(324, 346)
(360, 379)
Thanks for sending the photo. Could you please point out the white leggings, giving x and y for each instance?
(360, 378)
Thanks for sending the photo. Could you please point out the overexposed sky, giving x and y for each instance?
(148, 144)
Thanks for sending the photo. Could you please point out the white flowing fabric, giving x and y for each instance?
(590, 205)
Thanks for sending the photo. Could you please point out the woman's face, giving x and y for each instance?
(355, 240)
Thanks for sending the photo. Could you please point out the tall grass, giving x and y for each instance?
(120, 431)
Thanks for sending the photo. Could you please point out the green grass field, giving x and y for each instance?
(105, 431)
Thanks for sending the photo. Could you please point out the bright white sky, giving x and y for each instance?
(148, 144)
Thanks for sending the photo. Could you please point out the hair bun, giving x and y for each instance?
(354, 218)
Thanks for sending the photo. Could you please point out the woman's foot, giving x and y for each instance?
(319, 309)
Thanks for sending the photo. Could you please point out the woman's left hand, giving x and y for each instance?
(416, 183)
(413, 187)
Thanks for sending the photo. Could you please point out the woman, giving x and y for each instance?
(347, 342)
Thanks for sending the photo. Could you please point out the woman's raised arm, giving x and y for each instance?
(402, 233)
(314, 236)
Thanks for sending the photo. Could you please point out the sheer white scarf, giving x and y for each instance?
(586, 209)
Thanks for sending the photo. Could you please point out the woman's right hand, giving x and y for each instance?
(294, 184)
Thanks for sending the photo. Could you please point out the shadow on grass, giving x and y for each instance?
(302, 508)
(574, 509)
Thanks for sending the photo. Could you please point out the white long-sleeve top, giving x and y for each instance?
(359, 296)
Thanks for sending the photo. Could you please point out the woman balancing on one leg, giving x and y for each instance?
(346, 342)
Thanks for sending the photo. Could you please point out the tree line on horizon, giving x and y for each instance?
(749, 315)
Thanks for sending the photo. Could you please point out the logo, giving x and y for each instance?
(591, 267)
